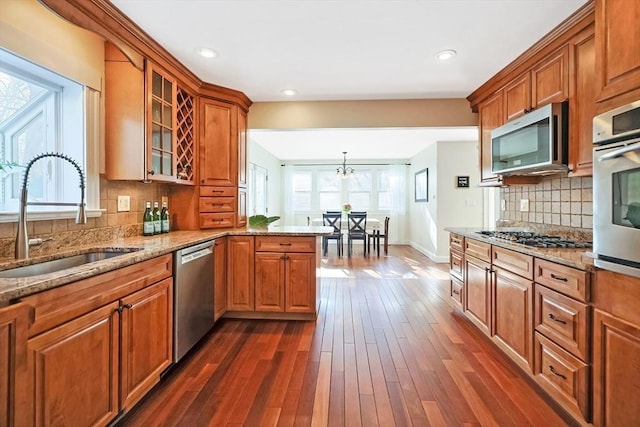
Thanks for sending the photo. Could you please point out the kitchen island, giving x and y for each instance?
(104, 329)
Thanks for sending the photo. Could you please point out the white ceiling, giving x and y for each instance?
(347, 50)
(328, 144)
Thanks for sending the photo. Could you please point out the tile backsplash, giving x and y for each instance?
(111, 225)
(560, 201)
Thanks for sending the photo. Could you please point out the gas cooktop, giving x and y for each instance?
(529, 238)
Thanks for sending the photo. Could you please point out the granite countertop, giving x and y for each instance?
(580, 258)
(136, 249)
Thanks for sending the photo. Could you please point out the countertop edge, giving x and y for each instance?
(142, 248)
(576, 258)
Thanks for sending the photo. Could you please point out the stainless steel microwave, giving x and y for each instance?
(616, 189)
(535, 143)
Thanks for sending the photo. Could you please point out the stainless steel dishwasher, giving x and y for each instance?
(193, 296)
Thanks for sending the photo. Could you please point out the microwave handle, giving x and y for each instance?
(619, 152)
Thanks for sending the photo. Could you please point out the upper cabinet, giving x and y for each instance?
(560, 67)
(218, 146)
(547, 82)
(149, 123)
(617, 52)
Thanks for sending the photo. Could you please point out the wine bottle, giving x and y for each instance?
(147, 221)
(156, 218)
(164, 218)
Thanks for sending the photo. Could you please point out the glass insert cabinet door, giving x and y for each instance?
(162, 121)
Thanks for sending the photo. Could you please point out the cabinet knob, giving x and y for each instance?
(151, 172)
(455, 291)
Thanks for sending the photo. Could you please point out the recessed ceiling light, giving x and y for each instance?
(289, 92)
(206, 52)
(443, 55)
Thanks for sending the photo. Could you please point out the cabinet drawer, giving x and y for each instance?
(563, 376)
(217, 204)
(57, 306)
(456, 291)
(566, 280)
(513, 261)
(477, 249)
(456, 264)
(285, 244)
(217, 220)
(212, 191)
(456, 242)
(562, 319)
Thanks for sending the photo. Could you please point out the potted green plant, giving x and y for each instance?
(261, 221)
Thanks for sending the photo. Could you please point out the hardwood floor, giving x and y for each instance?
(387, 349)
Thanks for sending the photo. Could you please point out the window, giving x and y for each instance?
(384, 190)
(302, 185)
(329, 191)
(359, 195)
(40, 111)
(258, 178)
(378, 189)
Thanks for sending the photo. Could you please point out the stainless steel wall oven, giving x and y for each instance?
(616, 189)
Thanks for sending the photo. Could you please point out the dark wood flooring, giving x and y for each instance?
(387, 349)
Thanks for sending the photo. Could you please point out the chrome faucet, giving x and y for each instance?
(22, 239)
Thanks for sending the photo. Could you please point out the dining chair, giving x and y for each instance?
(357, 230)
(375, 236)
(332, 220)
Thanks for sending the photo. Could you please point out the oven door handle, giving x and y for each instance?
(620, 151)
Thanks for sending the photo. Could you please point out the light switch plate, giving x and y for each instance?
(524, 205)
(124, 203)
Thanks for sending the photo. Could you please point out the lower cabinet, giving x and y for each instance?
(240, 271)
(220, 278)
(98, 345)
(478, 287)
(616, 350)
(272, 275)
(146, 324)
(285, 280)
(78, 358)
(512, 315)
(15, 404)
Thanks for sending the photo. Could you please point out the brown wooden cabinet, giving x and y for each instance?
(143, 138)
(240, 273)
(243, 159)
(617, 51)
(106, 338)
(77, 358)
(15, 400)
(218, 144)
(513, 317)
(616, 350)
(285, 274)
(146, 340)
(490, 116)
(220, 278)
(477, 290)
(582, 94)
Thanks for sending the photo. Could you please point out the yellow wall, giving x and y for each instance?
(30, 30)
(362, 114)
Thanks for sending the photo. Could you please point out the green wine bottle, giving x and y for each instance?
(147, 221)
(164, 218)
(156, 218)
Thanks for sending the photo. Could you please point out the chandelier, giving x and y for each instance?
(345, 171)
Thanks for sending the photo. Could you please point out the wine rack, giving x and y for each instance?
(185, 141)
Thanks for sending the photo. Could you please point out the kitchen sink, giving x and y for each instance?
(54, 265)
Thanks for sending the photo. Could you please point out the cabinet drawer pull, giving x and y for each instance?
(285, 244)
(455, 291)
(560, 278)
(556, 319)
(556, 373)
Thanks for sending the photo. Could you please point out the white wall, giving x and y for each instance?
(263, 158)
(448, 206)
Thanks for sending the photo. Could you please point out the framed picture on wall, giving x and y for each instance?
(421, 185)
